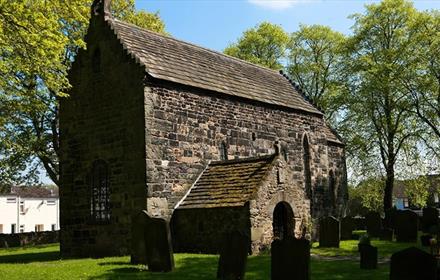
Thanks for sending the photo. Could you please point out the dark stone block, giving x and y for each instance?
(373, 223)
(347, 227)
(329, 232)
(233, 256)
(368, 256)
(429, 218)
(151, 243)
(406, 226)
(413, 264)
(359, 223)
(290, 259)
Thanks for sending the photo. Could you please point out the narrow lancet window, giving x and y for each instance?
(100, 192)
(307, 172)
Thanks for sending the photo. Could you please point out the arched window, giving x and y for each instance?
(223, 151)
(96, 61)
(331, 188)
(307, 173)
(100, 191)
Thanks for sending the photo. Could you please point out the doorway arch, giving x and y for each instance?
(283, 222)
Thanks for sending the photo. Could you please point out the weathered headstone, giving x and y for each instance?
(373, 222)
(429, 218)
(290, 259)
(329, 234)
(151, 243)
(413, 264)
(233, 256)
(368, 256)
(347, 227)
(406, 226)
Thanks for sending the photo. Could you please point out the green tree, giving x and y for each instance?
(315, 64)
(264, 44)
(366, 196)
(417, 191)
(38, 41)
(423, 81)
(377, 123)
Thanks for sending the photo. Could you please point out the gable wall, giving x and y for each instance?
(185, 128)
(103, 119)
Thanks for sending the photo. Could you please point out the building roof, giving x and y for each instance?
(229, 183)
(173, 60)
(34, 192)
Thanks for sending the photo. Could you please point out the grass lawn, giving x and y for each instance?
(42, 262)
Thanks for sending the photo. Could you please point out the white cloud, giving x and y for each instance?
(277, 4)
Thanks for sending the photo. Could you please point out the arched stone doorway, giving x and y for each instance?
(283, 221)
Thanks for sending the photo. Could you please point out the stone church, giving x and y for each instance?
(207, 141)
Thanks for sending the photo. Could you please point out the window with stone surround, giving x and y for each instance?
(100, 192)
(331, 188)
(307, 172)
(223, 151)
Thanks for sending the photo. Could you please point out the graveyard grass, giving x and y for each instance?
(42, 262)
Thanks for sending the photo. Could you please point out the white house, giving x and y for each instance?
(26, 209)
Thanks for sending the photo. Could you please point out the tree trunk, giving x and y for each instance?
(389, 183)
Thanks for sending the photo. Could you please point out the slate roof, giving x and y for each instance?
(229, 183)
(34, 191)
(173, 60)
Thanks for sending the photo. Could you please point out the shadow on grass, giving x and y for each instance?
(203, 268)
(31, 257)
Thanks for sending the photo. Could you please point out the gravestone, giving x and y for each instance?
(347, 227)
(329, 232)
(290, 259)
(373, 223)
(406, 226)
(151, 243)
(429, 218)
(368, 256)
(413, 264)
(233, 256)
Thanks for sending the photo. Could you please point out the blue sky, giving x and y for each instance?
(216, 23)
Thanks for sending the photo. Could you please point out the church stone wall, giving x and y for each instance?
(277, 188)
(185, 128)
(102, 119)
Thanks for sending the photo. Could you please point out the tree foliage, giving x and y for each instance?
(378, 122)
(264, 44)
(38, 41)
(366, 196)
(315, 64)
(417, 191)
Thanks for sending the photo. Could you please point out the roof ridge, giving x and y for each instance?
(240, 160)
(196, 46)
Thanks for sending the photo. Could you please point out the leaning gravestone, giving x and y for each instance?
(348, 224)
(373, 222)
(429, 218)
(290, 259)
(406, 226)
(329, 234)
(151, 243)
(233, 256)
(413, 264)
(368, 256)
